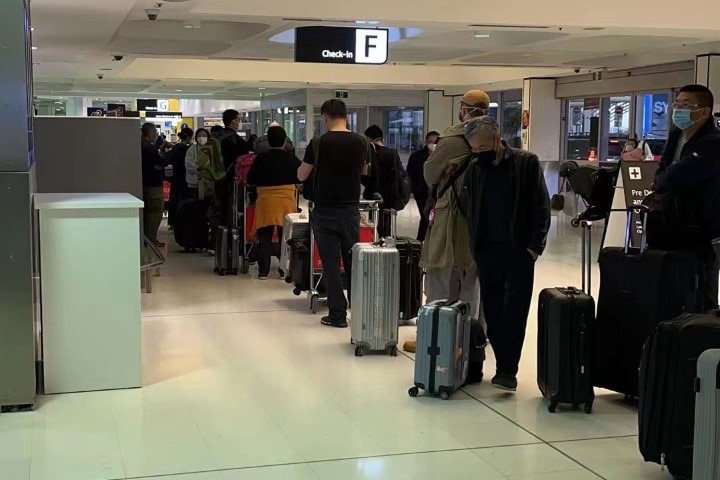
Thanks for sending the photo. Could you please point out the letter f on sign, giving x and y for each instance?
(371, 46)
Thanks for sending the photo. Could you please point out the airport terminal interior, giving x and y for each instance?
(124, 359)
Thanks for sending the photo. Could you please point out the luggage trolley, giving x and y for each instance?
(369, 214)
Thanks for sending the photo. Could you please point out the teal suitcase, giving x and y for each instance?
(442, 349)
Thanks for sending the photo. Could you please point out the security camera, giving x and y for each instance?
(100, 76)
(118, 58)
(576, 69)
(152, 14)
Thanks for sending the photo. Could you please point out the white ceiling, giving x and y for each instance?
(77, 38)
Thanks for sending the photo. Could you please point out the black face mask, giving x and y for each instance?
(485, 156)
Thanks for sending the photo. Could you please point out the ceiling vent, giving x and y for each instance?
(500, 27)
(316, 20)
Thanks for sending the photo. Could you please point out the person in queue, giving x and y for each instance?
(153, 173)
(689, 172)
(274, 174)
(178, 187)
(420, 189)
(339, 159)
(232, 146)
(446, 255)
(262, 144)
(508, 218)
(386, 161)
(202, 136)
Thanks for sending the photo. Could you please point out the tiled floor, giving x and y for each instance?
(243, 383)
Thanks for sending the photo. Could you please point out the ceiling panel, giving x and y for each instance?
(427, 54)
(176, 29)
(619, 43)
(150, 46)
(465, 39)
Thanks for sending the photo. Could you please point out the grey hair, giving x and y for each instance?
(486, 125)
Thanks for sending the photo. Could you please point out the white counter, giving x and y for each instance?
(90, 280)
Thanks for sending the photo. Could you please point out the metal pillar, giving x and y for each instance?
(17, 339)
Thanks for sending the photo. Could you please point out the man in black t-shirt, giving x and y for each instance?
(341, 162)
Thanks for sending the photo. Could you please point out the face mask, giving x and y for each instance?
(467, 111)
(432, 147)
(202, 140)
(682, 118)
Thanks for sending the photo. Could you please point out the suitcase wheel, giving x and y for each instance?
(289, 281)
(245, 267)
(221, 272)
(444, 395)
(359, 351)
(413, 391)
(392, 351)
(314, 309)
(552, 407)
(588, 408)
(297, 291)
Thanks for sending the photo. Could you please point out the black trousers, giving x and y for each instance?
(336, 230)
(266, 248)
(506, 284)
(421, 200)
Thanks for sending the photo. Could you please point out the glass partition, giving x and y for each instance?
(583, 132)
(512, 118)
(652, 120)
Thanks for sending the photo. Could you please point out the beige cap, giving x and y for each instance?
(476, 99)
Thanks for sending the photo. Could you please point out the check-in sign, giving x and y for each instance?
(368, 46)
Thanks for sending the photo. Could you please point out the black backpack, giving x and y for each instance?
(402, 185)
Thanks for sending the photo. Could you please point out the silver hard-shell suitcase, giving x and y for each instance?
(443, 348)
(706, 448)
(375, 298)
(296, 226)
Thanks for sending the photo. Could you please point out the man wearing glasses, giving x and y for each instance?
(689, 175)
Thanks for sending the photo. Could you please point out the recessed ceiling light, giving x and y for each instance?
(34, 48)
(482, 35)
(527, 54)
(261, 88)
(32, 29)
(178, 90)
(366, 22)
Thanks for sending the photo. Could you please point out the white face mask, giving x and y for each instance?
(202, 140)
(432, 147)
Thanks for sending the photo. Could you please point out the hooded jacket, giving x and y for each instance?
(447, 243)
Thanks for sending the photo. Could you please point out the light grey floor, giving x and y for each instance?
(241, 382)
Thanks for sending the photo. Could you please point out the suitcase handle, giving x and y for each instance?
(643, 210)
(586, 257)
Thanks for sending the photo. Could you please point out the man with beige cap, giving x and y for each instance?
(508, 218)
(446, 255)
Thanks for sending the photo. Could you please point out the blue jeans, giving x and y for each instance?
(336, 231)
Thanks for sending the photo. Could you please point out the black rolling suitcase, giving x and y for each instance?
(566, 318)
(191, 229)
(227, 251)
(668, 383)
(411, 291)
(639, 288)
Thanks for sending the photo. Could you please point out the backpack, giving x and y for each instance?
(242, 167)
(308, 190)
(401, 184)
(210, 164)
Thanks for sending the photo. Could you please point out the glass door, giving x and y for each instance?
(616, 126)
(652, 120)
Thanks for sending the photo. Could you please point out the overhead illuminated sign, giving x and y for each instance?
(365, 46)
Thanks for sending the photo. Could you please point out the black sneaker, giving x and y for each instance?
(329, 322)
(505, 382)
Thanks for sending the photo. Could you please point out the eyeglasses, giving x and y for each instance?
(677, 105)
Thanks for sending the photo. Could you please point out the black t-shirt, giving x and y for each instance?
(274, 168)
(341, 162)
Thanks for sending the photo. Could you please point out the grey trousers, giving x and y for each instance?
(452, 283)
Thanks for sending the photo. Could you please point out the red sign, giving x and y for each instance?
(576, 110)
(619, 110)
